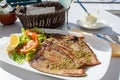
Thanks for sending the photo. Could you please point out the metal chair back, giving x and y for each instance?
(22, 2)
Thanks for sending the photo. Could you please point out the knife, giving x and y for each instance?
(107, 38)
(115, 45)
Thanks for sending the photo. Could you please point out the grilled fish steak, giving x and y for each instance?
(64, 55)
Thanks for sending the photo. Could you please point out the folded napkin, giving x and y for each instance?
(39, 10)
(115, 47)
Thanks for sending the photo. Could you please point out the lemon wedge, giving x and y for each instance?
(14, 41)
(91, 19)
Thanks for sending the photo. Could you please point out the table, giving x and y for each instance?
(9, 72)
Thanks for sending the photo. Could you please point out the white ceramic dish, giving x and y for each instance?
(103, 53)
(98, 25)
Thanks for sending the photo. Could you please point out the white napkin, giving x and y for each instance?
(39, 10)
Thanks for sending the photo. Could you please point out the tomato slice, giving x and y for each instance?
(32, 44)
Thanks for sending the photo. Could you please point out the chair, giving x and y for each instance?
(22, 2)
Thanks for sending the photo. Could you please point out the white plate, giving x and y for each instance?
(97, 25)
(100, 47)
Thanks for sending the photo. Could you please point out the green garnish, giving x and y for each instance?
(24, 39)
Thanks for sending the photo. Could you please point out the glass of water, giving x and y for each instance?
(66, 4)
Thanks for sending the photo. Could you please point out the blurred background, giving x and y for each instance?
(112, 6)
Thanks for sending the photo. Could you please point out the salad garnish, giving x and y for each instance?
(29, 41)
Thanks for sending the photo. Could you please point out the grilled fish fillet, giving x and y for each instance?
(64, 55)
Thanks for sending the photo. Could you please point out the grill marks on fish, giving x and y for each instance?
(46, 66)
(64, 55)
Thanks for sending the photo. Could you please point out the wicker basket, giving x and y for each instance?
(48, 20)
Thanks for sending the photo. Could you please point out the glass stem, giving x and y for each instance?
(67, 18)
(66, 21)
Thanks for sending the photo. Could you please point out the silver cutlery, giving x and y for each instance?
(115, 38)
(83, 7)
(109, 38)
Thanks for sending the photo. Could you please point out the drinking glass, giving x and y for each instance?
(66, 4)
